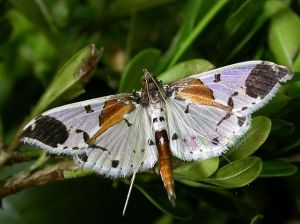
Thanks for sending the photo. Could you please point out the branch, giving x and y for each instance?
(28, 179)
(6, 153)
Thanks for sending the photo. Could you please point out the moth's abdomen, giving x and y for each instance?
(165, 164)
(159, 127)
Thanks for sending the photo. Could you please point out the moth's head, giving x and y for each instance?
(151, 90)
(150, 80)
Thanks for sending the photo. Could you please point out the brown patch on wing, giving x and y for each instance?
(262, 79)
(113, 112)
(198, 93)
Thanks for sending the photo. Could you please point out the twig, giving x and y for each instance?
(7, 153)
(19, 157)
(28, 179)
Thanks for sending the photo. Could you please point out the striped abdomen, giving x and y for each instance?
(164, 154)
(165, 163)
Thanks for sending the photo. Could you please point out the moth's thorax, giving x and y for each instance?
(152, 90)
(158, 116)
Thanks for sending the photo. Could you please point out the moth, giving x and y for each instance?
(195, 118)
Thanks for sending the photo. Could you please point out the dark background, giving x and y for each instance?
(38, 37)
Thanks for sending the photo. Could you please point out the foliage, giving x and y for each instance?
(172, 39)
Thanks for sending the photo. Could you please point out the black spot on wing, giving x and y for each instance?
(127, 122)
(244, 108)
(155, 120)
(215, 141)
(187, 109)
(150, 142)
(47, 130)
(83, 157)
(224, 118)
(85, 135)
(262, 78)
(230, 102)
(161, 118)
(241, 121)
(93, 146)
(88, 109)
(217, 78)
(114, 163)
(235, 94)
(174, 137)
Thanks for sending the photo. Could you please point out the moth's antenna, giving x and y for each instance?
(146, 73)
(226, 158)
(155, 82)
(129, 192)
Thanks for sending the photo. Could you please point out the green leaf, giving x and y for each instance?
(37, 13)
(294, 89)
(296, 66)
(253, 139)
(70, 79)
(276, 168)
(197, 170)
(78, 173)
(275, 105)
(156, 195)
(284, 34)
(257, 219)
(193, 183)
(126, 7)
(242, 25)
(8, 171)
(237, 174)
(242, 16)
(131, 77)
(191, 12)
(184, 69)
(198, 29)
(282, 127)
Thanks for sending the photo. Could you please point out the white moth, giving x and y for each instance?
(195, 118)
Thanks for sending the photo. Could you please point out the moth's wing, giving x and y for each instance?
(67, 129)
(208, 112)
(108, 134)
(124, 149)
(196, 132)
(245, 86)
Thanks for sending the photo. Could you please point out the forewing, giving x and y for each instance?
(208, 112)
(124, 149)
(245, 86)
(111, 135)
(69, 129)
